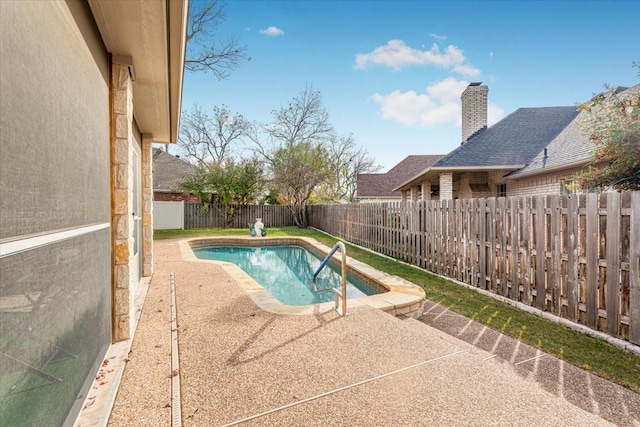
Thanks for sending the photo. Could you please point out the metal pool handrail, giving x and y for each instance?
(339, 293)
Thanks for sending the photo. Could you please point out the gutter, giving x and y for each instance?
(576, 163)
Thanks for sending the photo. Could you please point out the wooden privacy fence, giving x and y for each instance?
(272, 216)
(576, 256)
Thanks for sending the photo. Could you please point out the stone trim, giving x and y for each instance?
(147, 205)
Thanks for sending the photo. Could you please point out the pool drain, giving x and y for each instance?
(176, 404)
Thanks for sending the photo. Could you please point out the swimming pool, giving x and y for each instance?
(395, 295)
(287, 272)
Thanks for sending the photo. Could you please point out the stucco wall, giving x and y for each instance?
(54, 119)
(55, 179)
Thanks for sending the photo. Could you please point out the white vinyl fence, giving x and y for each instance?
(168, 215)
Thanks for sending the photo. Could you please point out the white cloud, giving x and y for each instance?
(438, 36)
(396, 55)
(494, 114)
(273, 31)
(491, 55)
(439, 104)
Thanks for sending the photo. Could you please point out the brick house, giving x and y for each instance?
(169, 172)
(531, 151)
(553, 169)
(378, 187)
(85, 88)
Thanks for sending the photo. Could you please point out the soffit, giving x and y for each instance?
(153, 34)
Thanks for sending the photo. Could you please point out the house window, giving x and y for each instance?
(501, 190)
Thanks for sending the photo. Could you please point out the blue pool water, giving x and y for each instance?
(287, 272)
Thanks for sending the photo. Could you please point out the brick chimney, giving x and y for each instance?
(474, 109)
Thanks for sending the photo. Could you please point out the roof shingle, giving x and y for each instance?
(514, 140)
(572, 144)
(382, 184)
(169, 172)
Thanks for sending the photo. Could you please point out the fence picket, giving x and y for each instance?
(572, 257)
(613, 263)
(514, 251)
(591, 245)
(634, 270)
(554, 237)
(483, 243)
(539, 235)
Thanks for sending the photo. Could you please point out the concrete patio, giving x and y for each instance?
(241, 365)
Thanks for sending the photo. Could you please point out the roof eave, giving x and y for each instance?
(153, 34)
(435, 171)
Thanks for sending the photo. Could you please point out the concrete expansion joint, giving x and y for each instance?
(340, 389)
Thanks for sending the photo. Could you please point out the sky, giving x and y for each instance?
(391, 72)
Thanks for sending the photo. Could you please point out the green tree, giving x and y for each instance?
(228, 185)
(297, 169)
(614, 128)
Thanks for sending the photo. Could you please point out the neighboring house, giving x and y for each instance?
(553, 169)
(85, 88)
(169, 173)
(378, 187)
(531, 151)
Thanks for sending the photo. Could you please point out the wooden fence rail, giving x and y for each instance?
(272, 216)
(575, 256)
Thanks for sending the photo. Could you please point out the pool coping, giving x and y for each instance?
(402, 297)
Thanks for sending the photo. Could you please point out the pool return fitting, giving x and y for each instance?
(339, 293)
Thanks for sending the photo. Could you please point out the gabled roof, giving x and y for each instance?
(572, 145)
(512, 142)
(382, 184)
(508, 145)
(169, 172)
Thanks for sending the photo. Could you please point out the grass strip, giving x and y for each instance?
(589, 353)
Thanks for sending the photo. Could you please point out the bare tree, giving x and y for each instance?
(347, 161)
(204, 52)
(303, 119)
(293, 146)
(210, 139)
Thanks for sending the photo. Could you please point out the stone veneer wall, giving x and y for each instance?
(122, 197)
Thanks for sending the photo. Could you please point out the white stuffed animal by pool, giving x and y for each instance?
(258, 226)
